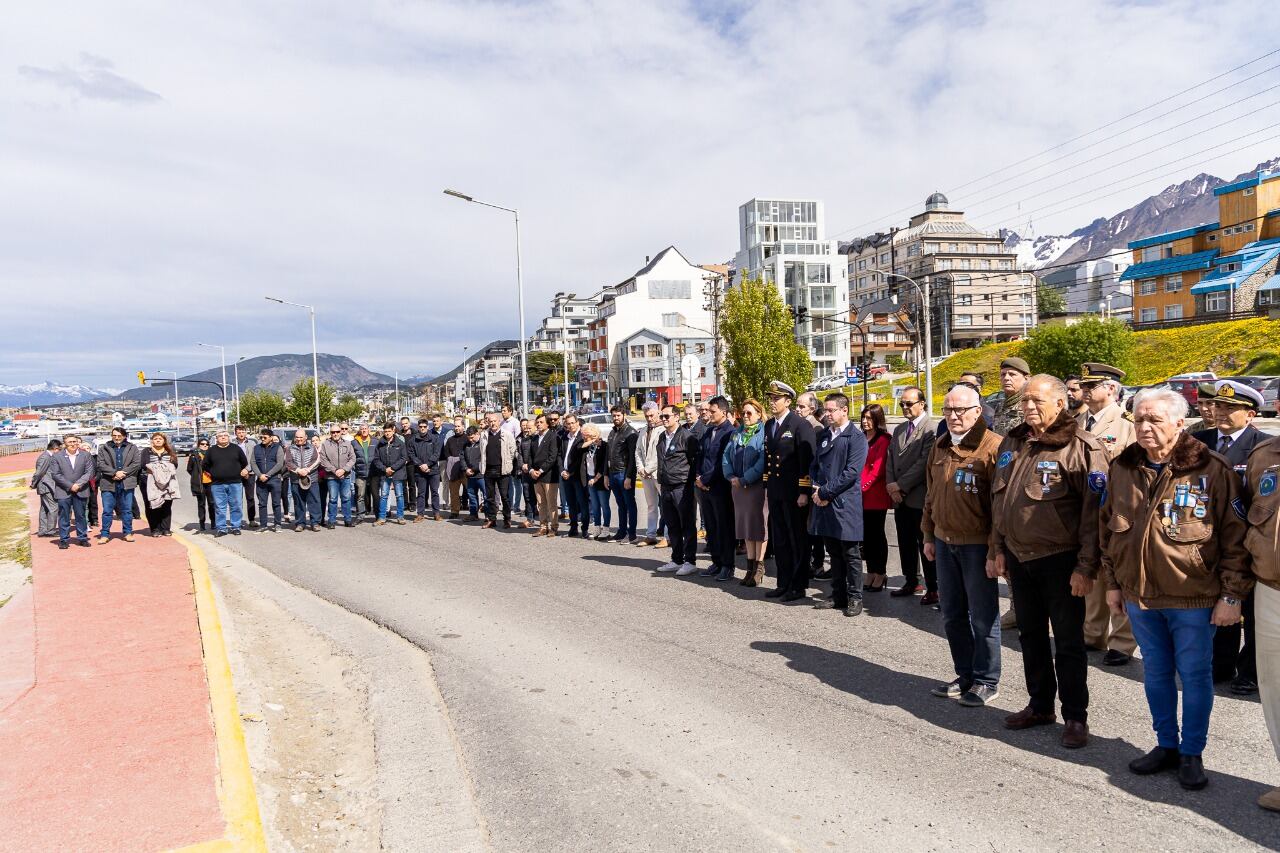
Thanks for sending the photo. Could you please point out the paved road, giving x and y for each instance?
(601, 706)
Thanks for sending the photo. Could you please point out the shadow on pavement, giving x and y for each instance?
(1229, 800)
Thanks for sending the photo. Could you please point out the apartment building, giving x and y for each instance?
(977, 293)
(651, 364)
(781, 241)
(1222, 268)
(888, 328)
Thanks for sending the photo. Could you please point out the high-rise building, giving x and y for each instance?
(781, 241)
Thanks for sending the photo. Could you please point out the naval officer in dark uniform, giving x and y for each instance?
(789, 448)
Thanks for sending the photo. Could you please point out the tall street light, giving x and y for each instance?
(237, 381)
(315, 369)
(524, 373)
(223, 351)
(928, 333)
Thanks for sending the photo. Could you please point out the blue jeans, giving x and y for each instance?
(970, 612)
(306, 504)
(514, 492)
(227, 496)
(599, 506)
(78, 504)
(626, 499)
(113, 499)
(340, 490)
(384, 492)
(475, 495)
(1175, 640)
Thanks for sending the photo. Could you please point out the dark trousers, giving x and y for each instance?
(268, 493)
(497, 487)
(250, 505)
(817, 549)
(160, 518)
(76, 505)
(970, 612)
(791, 548)
(530, 498)
(92, 496)
(367, 495)
(718, 504)
(680, 513)
(846, 570)
(575, 494)
(410, 488)
(1042, 597)
(428, 488)
(306, 503)
(204, 509)
(1229, 659)
(911, 548)
(875, 545)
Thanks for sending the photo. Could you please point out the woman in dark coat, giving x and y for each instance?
(875, 497)
(594, 475)
(195, 467)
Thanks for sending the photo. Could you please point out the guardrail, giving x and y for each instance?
(24, 445)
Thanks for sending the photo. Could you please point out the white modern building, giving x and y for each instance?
(567, 326)
(665, 296)
(781, 241)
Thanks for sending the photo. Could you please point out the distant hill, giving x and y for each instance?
(50, 394)
(276, 373)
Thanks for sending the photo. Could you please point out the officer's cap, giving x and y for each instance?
(1233, 393)
(781, 389)
(1092, 372)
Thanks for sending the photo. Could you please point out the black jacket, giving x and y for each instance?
(195, 467)
(473, 457)
(677, 458)
(364, 457)
(789, 448)
(391, 454)
(622, 451)
(573, 446)
(545, 456)
(425, 450)
(600, 453)
(1238, 453)
(453, 447)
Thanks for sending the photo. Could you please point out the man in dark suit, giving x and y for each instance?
(789, 448)
(42, 482)
(1235, 405)
(72, 469)
(908, 459)
(543, 466)
(576, 493)
(836, 474)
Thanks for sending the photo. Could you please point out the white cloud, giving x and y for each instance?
(300, 150)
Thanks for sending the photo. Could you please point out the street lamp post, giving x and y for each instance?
(223, 351)
(524, 373)
(463, 401)
(315, 368)
(237, 381)
(928, 332)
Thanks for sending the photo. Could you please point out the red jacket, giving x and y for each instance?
(874, 493)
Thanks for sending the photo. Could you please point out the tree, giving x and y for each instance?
(541, 364)
(302, 407)
(260, 408)
(760, 345)
(1049, 301)
(1060, 350)
(348, 408)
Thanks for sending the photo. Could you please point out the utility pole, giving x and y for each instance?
(714, 293)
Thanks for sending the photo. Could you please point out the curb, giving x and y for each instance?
(235, 779)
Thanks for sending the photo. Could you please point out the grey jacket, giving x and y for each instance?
(107, 466)
(42, 479)
(337, 454)
(909, 460)
(647, 451)
(67, 474)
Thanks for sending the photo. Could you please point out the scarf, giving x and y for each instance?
(749, 432)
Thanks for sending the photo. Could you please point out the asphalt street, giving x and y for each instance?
(601, 706)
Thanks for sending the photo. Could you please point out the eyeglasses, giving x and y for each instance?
(956, 410)
(335, 432)
(665, 417)
(904, 404)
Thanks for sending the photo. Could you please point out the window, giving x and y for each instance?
(1172, 283)
(1004, 318)
(680, 349)
(637, 351)
(822, 297)
(862, 281)
(1173, 312)
(1248, 191)
(1146, 287)
(1028, 320)
(913, 250)
(700, 349)
(1148, 315)
(669, 289)
(964, 320)
(1213, 238)
(1215, 302)
(964, 299)
(637, 375)
(655, 374)
(862, 264)
(1248, 227)
(702, 373)
(1229, 267)
(655, 351)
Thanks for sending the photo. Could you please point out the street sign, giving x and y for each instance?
(851, 375)
(690, 367)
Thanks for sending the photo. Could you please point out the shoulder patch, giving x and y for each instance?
(1097, 482)
(1237, 506)
(1005, 459)
(1267, 484)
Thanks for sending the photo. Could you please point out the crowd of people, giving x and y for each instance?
(1115, 531)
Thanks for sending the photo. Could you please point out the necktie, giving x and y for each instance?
(1088, 425)
(1224, 444)
(911, 428)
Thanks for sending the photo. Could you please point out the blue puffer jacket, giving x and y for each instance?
(744, 460)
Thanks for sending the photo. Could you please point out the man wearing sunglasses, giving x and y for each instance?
(908, 460)
(338, 457)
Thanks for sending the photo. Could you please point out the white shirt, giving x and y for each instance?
(568, 447)
(836, 433)
(1234, 436)
(956, 438)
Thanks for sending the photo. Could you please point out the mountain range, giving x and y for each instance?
(276, 373)
(1177, 206)
(51, 394)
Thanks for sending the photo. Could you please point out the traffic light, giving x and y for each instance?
(800, 313)
(142, 378)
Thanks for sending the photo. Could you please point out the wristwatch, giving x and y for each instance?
(1230, 601)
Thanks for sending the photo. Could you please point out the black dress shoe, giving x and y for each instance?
(775, 593)
(329, 525)
(1191, 773)
(905, 590)
(793, 595)
(824, 575)
(1155, 761)
(1242, 686)
(63, 545)
(853, 608)
(1115, 657)
(828, 605)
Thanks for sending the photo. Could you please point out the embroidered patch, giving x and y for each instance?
(825, 443)
(1097, 482)
(1005, 459)
(1237, 506)
(787, 434)
(1267, 484)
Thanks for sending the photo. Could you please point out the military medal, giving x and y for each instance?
(1166, 518)
(958, 479)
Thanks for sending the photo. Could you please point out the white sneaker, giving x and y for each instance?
(687, 569)
(669, 567)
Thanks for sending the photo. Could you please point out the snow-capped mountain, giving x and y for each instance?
(50, 393)
(1175, 207)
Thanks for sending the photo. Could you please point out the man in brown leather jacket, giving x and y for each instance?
(1050, 477)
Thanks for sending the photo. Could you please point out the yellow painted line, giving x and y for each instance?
(235, 788)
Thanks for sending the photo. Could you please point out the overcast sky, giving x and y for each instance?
(164, 165)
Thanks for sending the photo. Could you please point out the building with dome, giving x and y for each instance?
(977, 293)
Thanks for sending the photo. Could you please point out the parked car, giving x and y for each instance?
(875, 371)
(1268, 387)
(602, 420)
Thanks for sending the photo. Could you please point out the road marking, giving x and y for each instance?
(235, 788)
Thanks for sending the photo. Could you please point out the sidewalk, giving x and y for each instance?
(106, 727)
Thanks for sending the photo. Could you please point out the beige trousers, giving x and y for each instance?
(1266, 633)
(1102, 629)
(548, 505)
